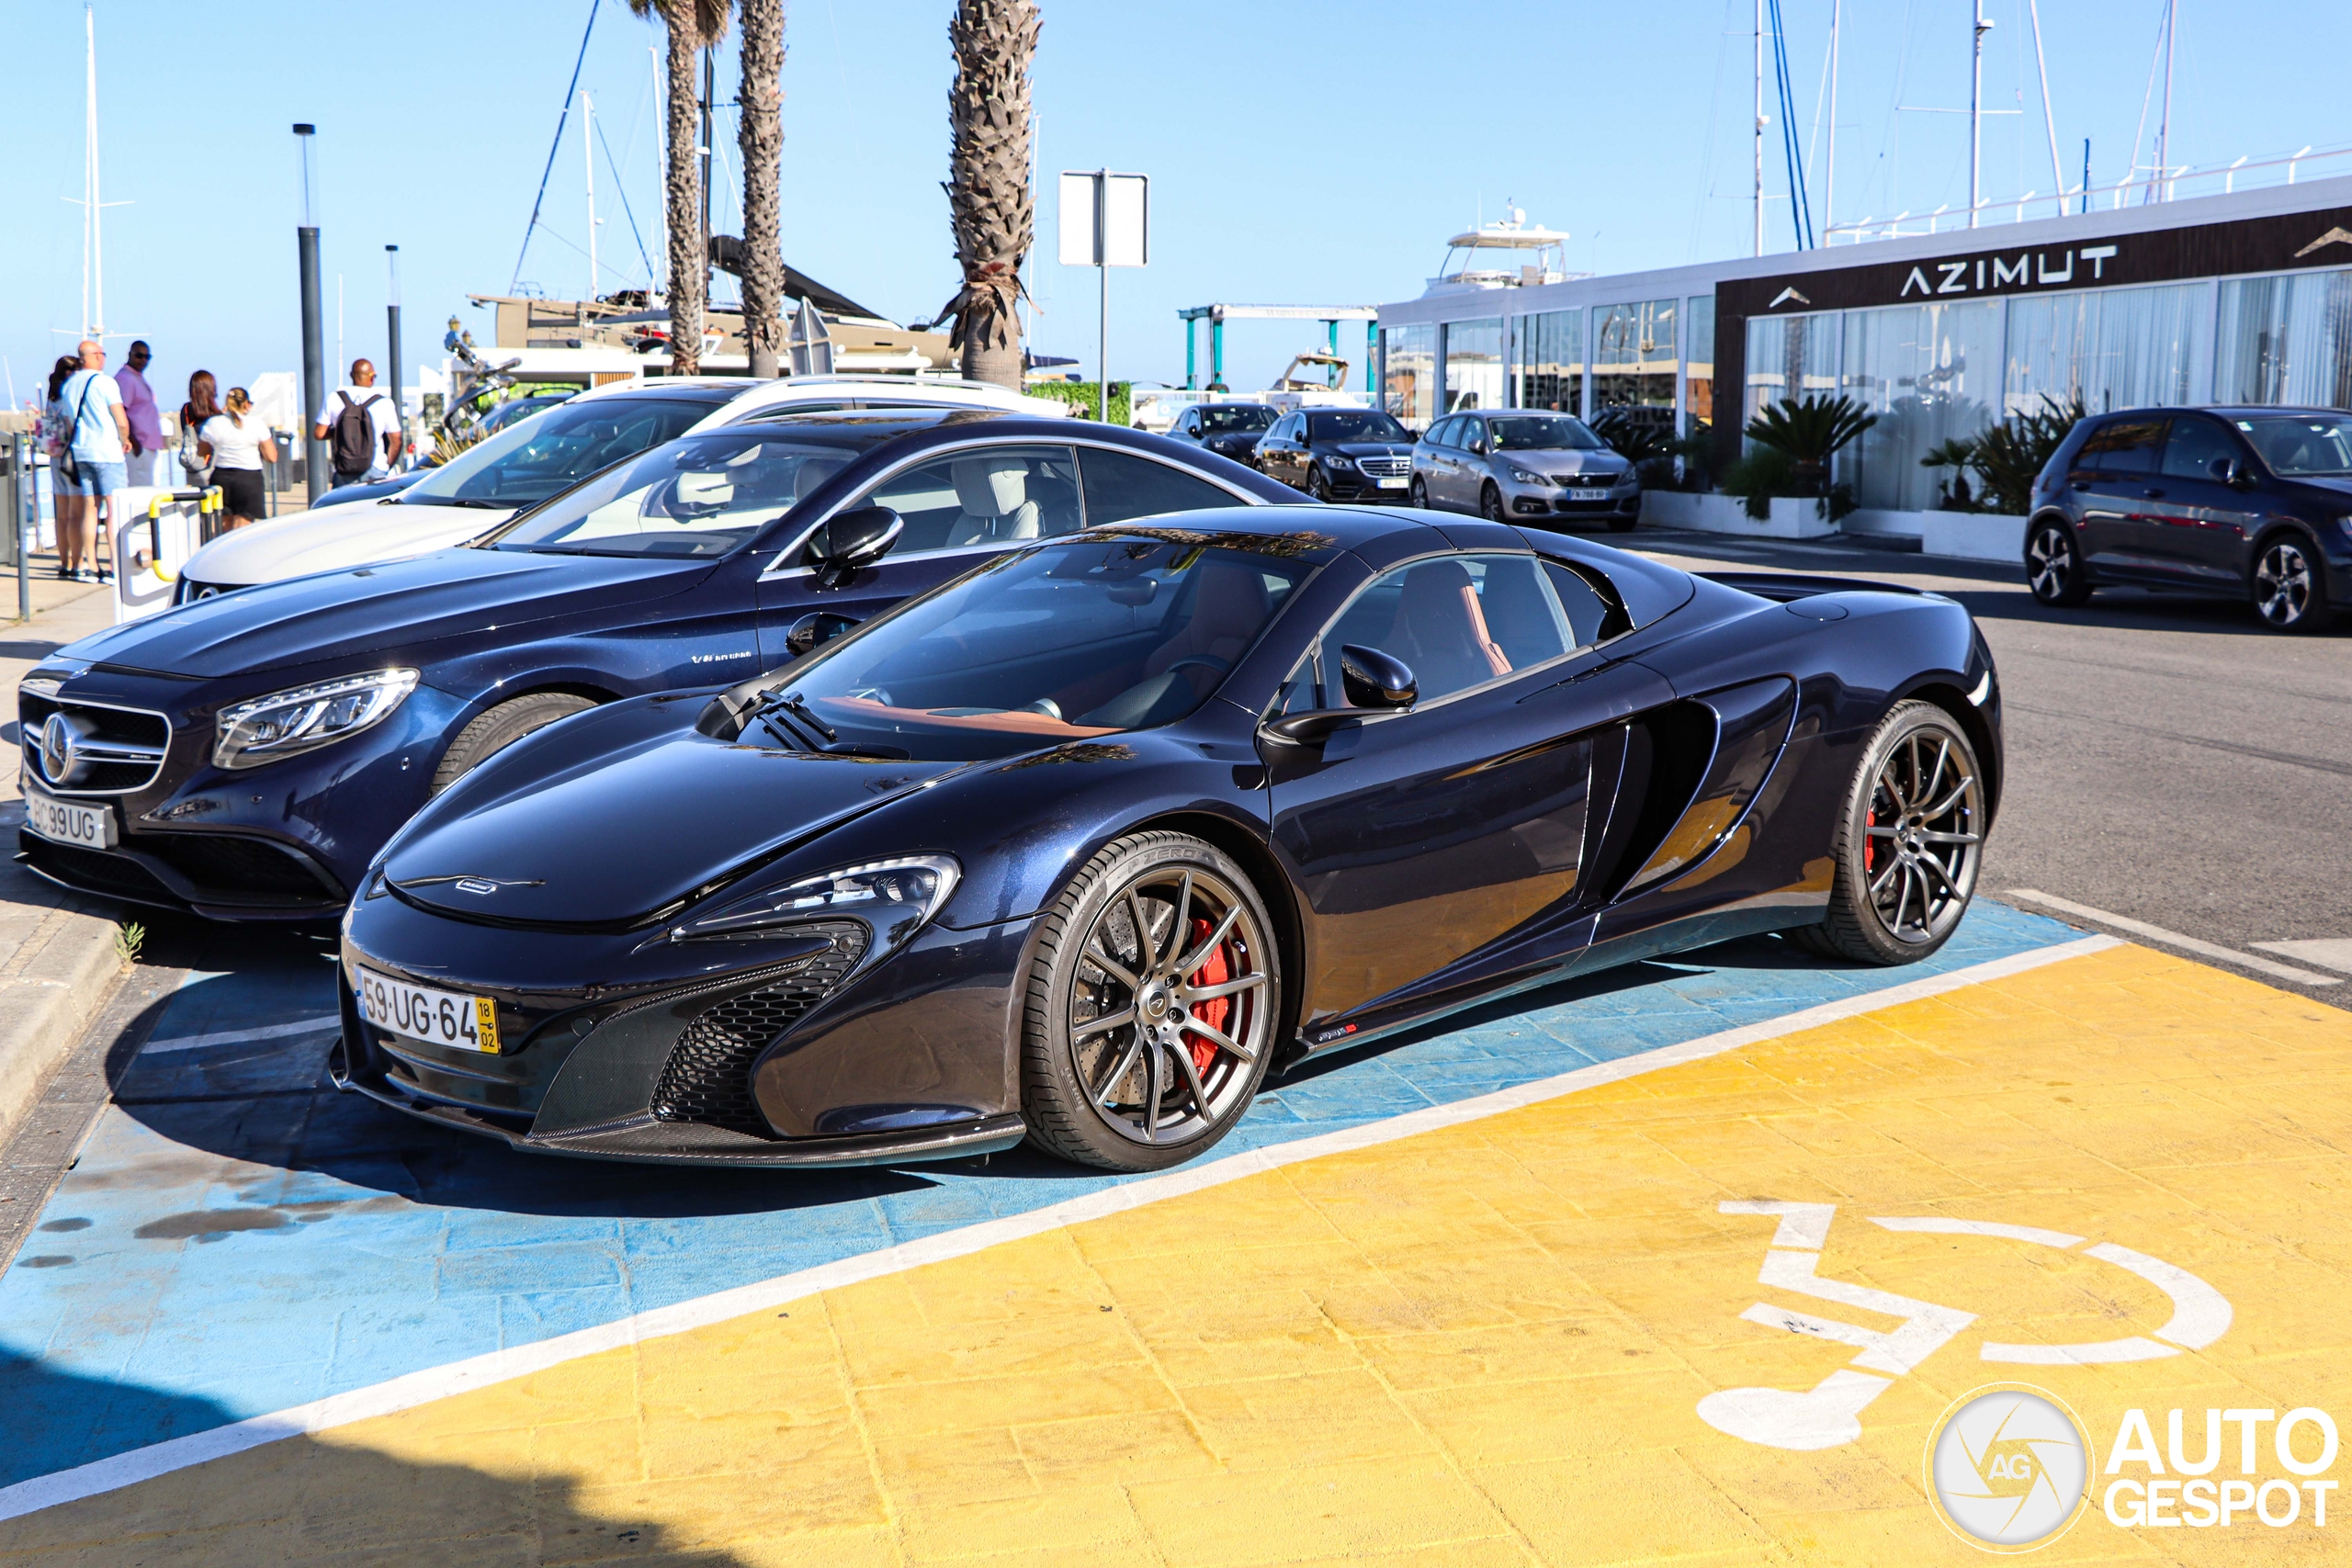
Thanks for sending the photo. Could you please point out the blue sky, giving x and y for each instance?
(1302, 151)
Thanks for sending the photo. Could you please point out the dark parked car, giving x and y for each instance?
(1524, 463)
(1078, 847)
(246, 755)
(2249, 502)
(1339, 454)
(1229, 430)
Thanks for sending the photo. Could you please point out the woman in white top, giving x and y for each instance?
(236, 444)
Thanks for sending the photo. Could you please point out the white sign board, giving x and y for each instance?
(1105, 219)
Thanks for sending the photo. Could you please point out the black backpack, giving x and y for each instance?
(355, 435)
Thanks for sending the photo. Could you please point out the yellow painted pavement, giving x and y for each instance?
(1483, 1344)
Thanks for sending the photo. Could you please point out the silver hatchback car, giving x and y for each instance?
(1507, 463)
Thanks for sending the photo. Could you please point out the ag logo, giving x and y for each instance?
(2007, 1468)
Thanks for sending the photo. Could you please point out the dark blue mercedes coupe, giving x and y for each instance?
(1075, 847)
(246, 756)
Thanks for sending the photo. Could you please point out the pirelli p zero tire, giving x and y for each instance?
(1908, 842)
(1151, 1007)
(490, 732)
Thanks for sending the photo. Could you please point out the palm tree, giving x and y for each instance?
(990, 204)
(760, 135)
(693, 26)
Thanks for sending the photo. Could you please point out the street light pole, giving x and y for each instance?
(314, 381)
(393, 329)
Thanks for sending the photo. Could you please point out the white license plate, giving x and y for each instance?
(68, 823)
(1392, 484)
(1589, 495)
(450, 1019)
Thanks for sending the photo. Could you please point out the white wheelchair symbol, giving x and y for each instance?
(1829, 1413)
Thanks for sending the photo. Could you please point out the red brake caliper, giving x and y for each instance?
(1215, 971)
(1870, 845)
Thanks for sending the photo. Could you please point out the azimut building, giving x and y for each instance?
(2244, 298)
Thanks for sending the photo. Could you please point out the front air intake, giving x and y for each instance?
(707, 1078)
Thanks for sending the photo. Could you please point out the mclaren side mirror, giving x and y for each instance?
(848, 540)
(1373, 682)
(1376, 679)
(814, 630)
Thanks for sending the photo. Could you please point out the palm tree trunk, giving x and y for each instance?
(682, 195)
(991, 205)
(761, 138)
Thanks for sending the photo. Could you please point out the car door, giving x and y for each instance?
(1422, 838)
(956, 508)
(1444, 475)
(2115, 480)
(2206, 522)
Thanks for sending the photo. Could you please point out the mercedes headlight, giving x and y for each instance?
(1525, 476)
(1336, 460)
(896, 898)
(284, 724)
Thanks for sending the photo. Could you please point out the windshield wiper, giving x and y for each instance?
(808, 716)
(785, 718)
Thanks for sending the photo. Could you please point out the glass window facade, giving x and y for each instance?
(1699, 364)
(1932, 374)
(1550, 363)
(1408, 374)
(1789, 356)
(1634, 358)
(1472, 364)
(2286, 340)
(2117, 348)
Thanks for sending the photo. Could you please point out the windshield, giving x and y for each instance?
(700, 496)
(533, 459)
(1063, 642)
(1543, 432)
(1218, 421)
(1354, 425)
(2302, 444)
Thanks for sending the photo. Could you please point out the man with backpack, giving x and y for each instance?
(361, 427)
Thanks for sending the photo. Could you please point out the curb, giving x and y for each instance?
(48, 1000)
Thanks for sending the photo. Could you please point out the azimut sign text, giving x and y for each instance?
(2026, 269)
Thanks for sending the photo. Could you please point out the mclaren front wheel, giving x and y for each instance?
(1909, 841)
(1151, 1007)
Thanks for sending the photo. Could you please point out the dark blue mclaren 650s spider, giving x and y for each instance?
(1077, 846)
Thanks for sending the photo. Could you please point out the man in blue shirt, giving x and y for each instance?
(101, 441)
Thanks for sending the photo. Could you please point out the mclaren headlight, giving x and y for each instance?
(284, 724)
(896, 898)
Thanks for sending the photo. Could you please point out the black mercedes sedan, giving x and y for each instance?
(2243, 503)
(1229, 430)
(1339, 454)
(245, 756)
(1077, 847)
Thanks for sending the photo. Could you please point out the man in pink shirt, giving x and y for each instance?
(146, 424)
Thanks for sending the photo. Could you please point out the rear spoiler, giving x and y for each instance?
(1782, 586)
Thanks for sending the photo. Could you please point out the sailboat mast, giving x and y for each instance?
(588, 162)
(94, 276)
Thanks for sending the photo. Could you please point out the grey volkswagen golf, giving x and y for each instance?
(1505, 463)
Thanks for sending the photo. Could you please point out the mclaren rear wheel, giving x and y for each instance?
(1908, 843)
(1151, 1007)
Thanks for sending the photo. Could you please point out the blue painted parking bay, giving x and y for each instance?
(238, 1240)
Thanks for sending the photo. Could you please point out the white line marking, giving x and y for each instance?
(1803, 1225)
(499, 1366)
(2328, 953)
(2200, 1314)
(2174, 939)
(238, 1036)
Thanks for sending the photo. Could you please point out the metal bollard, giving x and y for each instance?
(24, 517)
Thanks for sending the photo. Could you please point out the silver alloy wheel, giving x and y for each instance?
(2282, 583)
(2049, 563)
(1926, 826)
(1171, 1007)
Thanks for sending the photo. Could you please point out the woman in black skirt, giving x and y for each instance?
(237, 445)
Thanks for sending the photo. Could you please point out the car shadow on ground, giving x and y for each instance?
(295, 1499)
(2124, 609)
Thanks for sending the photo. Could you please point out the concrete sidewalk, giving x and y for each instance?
(57, 953)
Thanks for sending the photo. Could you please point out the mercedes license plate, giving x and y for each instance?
(68, 821)
(1392, 484)
(450, 1019)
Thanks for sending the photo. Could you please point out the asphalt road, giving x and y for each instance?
(2170, 760)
